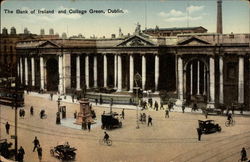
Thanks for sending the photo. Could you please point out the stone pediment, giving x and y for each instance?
(193, 41)
(48, 44)
(136, 41)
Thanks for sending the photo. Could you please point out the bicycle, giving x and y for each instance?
(230, 123)
(108, 142)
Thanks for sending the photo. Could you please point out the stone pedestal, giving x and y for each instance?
(84, 115)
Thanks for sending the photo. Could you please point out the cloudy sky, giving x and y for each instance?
(164, 13)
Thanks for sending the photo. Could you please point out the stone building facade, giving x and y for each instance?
(213, 68)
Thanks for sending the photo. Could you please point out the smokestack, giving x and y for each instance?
(219, 16)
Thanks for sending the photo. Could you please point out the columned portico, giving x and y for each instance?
(41, 73)
(105, 70)
(26, 70)
(78, 73)
(241, 81)
(221, 96)
(156, 72)
(87, 71)
(131, 73)
(95, 71)
(143, 72)
(32, 71)
(119, 87)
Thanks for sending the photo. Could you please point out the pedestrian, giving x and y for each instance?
(51, 96)
(199, 132)
(123, 114)
(73, 96)
(39, 153)
(206, 113)
(96, 101)
(75, 114)
(156, 105)
(161, 106)
(243, 154)
(31, 110)
(20, 113)
(101, 101)
(36, 143)
(111, 101)
(89, 125)
(183, 108)
(23, 113)
(20, 154)
(150, 120)
(7, 127)
(166, 113)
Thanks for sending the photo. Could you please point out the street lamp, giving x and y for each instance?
(137, 78)
(58, 103)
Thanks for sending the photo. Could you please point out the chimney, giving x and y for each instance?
(219, 17)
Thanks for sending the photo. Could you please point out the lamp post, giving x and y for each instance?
(137, 78)
(58, 103)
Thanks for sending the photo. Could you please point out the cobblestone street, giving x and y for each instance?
(169, 139)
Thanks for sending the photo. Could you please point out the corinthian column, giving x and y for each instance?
(221, 96)
(115, 71)
(95, 71)
(212, 80)
(119, 88)
(60, 70)
(143, 72)
(105, 70)
(41, 73)
(21, 70)
(156, 72)
(78, 73)
(131, 73)
(32, 71)
(87, 71)
(198, 77)
(180, 78)
(241, 81)
(26, 70)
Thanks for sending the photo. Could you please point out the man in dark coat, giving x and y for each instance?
(36, 143)
(199, 132)
(150, 120)
(7, 127)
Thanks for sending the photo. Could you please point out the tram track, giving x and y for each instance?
(185, 154)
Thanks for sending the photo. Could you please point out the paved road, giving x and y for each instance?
(169, 139)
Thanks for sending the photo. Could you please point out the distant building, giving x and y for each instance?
(64, 36)
(164, 32)
(51, 31)
(42, 32)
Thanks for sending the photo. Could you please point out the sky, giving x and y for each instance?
(163, 13)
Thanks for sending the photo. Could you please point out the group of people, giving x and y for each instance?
(149, 104)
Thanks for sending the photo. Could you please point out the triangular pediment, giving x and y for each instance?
(136, 41)
(48, 44)
(193, 41)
